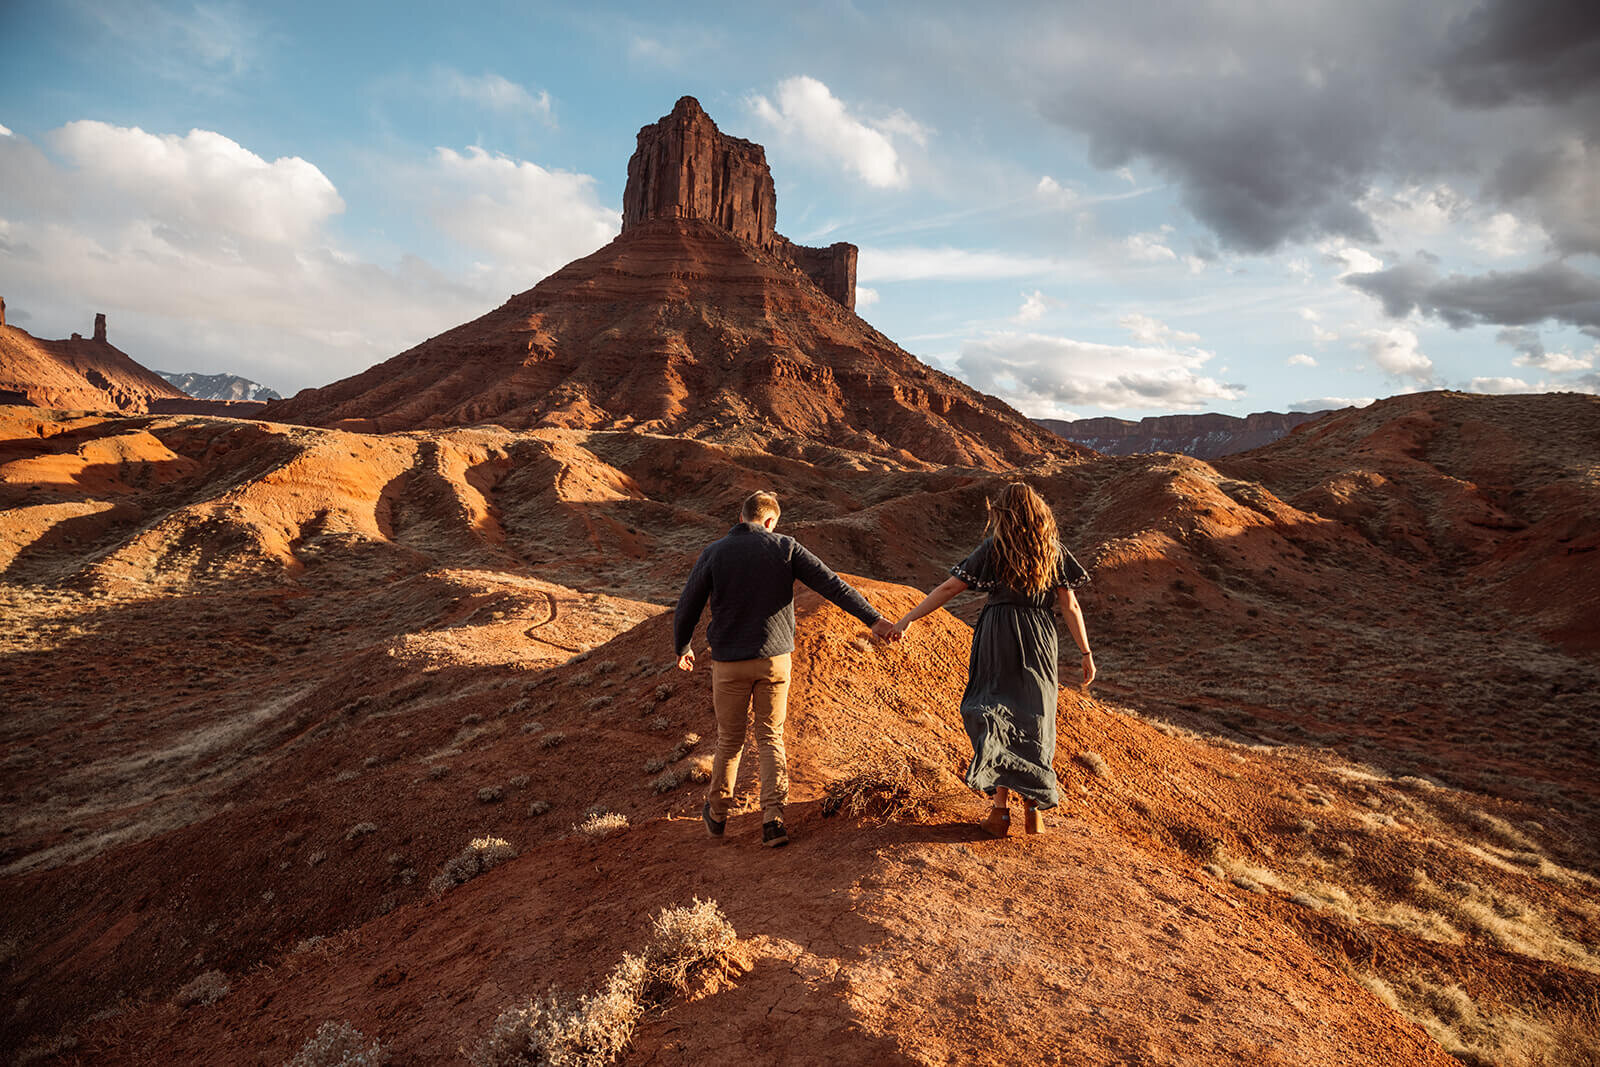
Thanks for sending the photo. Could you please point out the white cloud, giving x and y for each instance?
(1055, 193)
(1532, 353)
(1395, 352)
(530, 220)
(809, 112)
(1500, 385)
(1034, 305)
(1331, 403)
(1348, 258)
(1045, 375)
(1557, 362)
(1151, 331)
(1300, 359)
(1149, 247)
(4, 132)
(924, 264)
(1503, 235)
(201, 185)
(207, 257)
(193, 44)
(865, 297)
(496, 92)
(1412, 213)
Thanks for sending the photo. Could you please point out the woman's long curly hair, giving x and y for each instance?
(1025, 545)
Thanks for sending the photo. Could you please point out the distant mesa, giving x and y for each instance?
(1203, 436)
(698, 320)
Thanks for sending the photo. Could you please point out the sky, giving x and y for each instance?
(1086, 209)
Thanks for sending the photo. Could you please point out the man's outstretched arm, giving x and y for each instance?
(817, 575)
(691, 602)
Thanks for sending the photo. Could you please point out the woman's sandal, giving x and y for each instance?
(998, 824)
(1032, 820)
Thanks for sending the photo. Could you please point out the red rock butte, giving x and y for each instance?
(698, 320)
(685, 168)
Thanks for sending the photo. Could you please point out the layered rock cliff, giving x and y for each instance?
(686, 168)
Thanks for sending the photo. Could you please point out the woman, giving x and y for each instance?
(1009, 707)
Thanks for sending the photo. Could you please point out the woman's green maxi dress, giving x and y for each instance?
(1009, 707)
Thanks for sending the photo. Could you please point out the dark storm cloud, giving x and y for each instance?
(1554, 291)
(1525, 342)
(1276, 121)
(1517, 51)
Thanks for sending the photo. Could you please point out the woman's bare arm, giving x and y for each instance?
(941, 595)
(1072, 615)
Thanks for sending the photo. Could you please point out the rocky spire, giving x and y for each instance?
(100, 327)
(686, 168)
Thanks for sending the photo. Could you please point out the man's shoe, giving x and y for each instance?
(713, 827)
(773, 835)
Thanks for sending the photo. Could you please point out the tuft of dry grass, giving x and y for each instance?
(360, 829)
(594, 1029)
(338, 1044)
(1474, 1033)
(1094, 763)
(598, 825)
(491, 794)
(481, 854)
(551, 740)
(204, 989)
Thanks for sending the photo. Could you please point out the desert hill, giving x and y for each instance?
(699, 320)
(1333, 802)
(1207, 436)
(91, 374)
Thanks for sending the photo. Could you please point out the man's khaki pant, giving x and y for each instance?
(736, 688)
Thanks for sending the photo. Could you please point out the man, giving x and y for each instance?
(749, 577)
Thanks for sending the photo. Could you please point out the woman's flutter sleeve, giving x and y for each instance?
(1069, 572)
(977, 570)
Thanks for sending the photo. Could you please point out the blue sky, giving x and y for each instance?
(1085, 209)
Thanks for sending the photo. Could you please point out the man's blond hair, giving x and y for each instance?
(757, 506)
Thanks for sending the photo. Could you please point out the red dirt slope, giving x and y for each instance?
(78, 374)
(677, 327)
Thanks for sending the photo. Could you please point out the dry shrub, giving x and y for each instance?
(699, 771)
(360, 829)
(601, 824)
(338, 1045)
(207, 988)
(552, 740)
(593, 1029)
(1094, 763)
(678, 751)
(490, 794)
(481, 854)
(886, 788)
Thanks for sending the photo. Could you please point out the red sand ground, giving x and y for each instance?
(1343, 768)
